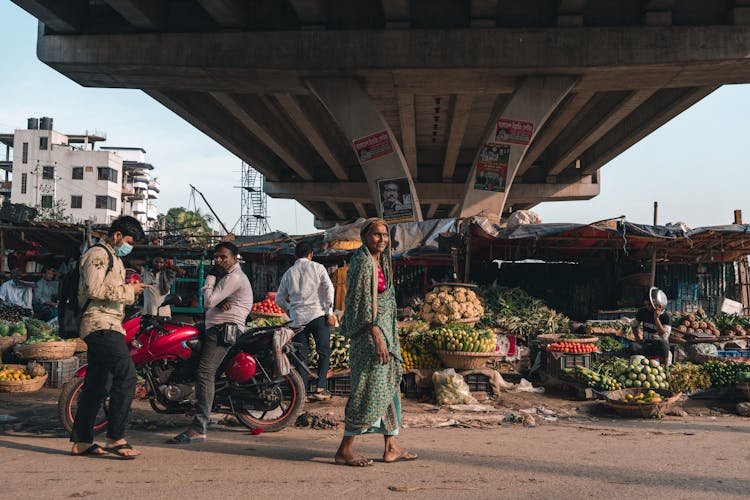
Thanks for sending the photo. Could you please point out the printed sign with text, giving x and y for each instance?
(514, 131)
(492, 168)
(373, 146)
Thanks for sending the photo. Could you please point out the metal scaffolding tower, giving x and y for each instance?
(254, 218)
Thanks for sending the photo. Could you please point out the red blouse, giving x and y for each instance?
(381, 280)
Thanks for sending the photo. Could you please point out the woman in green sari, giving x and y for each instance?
(369, 320)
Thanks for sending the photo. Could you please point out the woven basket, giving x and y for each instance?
(743, 388)
(615, 400)
(548, 338)
(467, 321)
(81, 346)
(466, 360)
(47, 351)
(256, 315)
(8, 342)
(22, 385)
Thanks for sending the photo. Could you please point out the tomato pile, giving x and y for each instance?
(572, 347)
(267, 306)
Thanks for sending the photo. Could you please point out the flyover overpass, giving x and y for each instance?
(298, 88)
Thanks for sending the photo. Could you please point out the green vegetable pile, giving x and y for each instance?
(687, 377)
(645, 373)
(590, 378)
(609, 344)
(10, 329)
(264, 322)
(723, 373)
(515, 311)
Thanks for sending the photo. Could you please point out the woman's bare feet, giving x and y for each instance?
(346, 456)
(393, 453)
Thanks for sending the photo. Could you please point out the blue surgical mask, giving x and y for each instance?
(123, 250)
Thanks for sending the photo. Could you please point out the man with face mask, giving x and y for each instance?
(104, 291)
(227, 299)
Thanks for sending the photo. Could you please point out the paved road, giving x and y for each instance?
(678, 457)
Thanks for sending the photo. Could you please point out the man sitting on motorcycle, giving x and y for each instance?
(227, 300)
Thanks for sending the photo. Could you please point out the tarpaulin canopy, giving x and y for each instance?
(611, 239)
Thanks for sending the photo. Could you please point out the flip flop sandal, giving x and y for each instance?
(184, 438)
(117, 450)
(91, 451)
(404, 457)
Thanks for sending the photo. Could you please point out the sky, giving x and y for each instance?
(696, 166)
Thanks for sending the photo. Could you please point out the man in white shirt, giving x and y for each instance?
(306, 294)
(16, 292)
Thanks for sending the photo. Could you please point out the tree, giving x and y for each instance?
(182, 225)
(55, 213)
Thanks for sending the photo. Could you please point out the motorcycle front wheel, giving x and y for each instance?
(67, 405)
(292, 392)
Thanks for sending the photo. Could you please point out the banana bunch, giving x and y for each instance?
(339, 352)
(457, 337)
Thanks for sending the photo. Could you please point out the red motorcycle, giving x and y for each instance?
(166, 355)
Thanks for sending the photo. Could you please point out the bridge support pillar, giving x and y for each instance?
(373, 142)
(531, 103)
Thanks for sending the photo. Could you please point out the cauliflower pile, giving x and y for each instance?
(445, 304)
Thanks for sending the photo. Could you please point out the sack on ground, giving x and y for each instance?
(451, 388)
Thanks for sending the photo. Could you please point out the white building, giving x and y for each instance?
(139, 190)
(50, 169)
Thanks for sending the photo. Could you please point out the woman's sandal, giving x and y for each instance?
(185, 438)
(117, 450)
(91, 451)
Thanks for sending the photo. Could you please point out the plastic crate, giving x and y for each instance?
(59, 372)
(83, 358)
(555, 365)
(478, 382)
(340, 385)
(734, 354)
(409, 386)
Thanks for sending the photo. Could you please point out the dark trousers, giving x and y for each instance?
(322, 335)
(212, 355)
(109, 360)
(656, 347)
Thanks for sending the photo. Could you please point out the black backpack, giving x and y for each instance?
(69, 312)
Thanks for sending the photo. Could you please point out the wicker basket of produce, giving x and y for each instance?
(6, 343)
(16, 378)
(743, 388)
(467, 321)
(81, 346)
(257, 315)
(548, 338)
(465, 360)
(46, 351)
(637, 402)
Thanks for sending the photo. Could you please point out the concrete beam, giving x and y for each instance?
(533, 102)
(397, 13)
(517, 50)
(360, 207)
(232, 106)
(336, 209)
(430, 193)
(408, 131)
(311, 13)
(432, 210)
(61, 16)
(299, 118)
(193, 108)
(554, 126)
(626, 106)
(459, 119)
(484, 13)
(359, 118)
(667, 104)
(226, 13)
(143, 14)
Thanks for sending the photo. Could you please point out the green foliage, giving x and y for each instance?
(182, 225)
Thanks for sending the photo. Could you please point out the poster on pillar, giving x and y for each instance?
(492, 168)
(514, 131)
(373, 146)
(395, 200)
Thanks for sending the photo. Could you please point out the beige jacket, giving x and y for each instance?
(108, 292)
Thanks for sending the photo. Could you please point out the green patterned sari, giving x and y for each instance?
(374, 404)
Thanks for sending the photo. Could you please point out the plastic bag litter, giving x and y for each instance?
(451, 388)
(525, 386)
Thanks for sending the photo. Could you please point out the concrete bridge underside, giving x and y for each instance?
(288, 85)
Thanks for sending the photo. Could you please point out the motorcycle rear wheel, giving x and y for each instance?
(67, 405)
(293, 391)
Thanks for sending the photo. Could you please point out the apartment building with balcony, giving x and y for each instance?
(52, 170)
